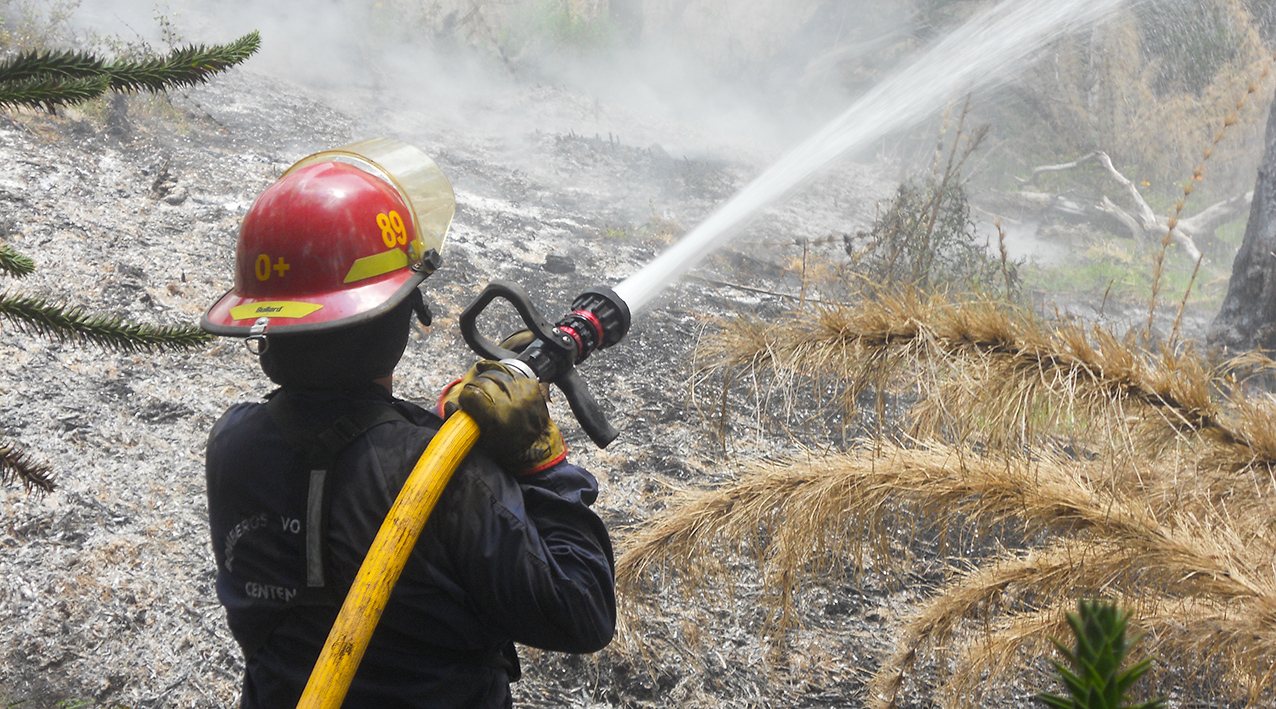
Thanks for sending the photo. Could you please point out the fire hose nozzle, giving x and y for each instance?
(599, 319)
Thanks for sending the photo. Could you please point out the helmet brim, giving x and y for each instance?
(234, 316)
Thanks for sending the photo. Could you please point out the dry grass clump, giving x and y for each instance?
(1074, 462)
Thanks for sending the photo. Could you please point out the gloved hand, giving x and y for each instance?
(514, 423)
(514, 342)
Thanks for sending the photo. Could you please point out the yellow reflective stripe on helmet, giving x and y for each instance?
(273, 309)
(375, 265)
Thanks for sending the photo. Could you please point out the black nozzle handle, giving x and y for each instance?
(551, 357)
(586, 409)
(541, 328)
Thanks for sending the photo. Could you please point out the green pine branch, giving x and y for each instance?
(185, 66)
(71, 323)
(1095, 679)
(51, 79)
(51, 92)
(14, 263)
(17, 463)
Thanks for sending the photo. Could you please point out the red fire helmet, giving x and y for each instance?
(334, 242)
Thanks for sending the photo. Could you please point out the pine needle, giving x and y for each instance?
(48, 64)
(50, 93)
(185, 66)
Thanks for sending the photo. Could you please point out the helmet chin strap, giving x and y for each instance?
(423, 314)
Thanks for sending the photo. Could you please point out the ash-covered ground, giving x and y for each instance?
(106, 585)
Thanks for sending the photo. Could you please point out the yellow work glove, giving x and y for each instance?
(514, 423)
(515, 342)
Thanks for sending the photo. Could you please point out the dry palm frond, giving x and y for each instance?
(1071, 462)
(1220, 648)
(1253, 362)
(1020, 601)
(982, 369)
(793, 518)
(785, 511)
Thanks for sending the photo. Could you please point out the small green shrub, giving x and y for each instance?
(1095, 679)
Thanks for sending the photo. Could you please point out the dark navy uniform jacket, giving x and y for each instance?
(501, 559)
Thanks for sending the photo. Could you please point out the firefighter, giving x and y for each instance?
(327, 269)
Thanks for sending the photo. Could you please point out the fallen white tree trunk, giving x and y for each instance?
(1144, 224)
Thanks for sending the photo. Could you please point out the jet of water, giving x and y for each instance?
(989, 48)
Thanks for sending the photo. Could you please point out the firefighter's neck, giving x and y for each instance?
(387, 381)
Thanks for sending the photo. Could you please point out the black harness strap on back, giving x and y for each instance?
(319, 449)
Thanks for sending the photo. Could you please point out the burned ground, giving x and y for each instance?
(132, 209)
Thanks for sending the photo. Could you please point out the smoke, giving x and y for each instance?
(316, 44)
(704, 76)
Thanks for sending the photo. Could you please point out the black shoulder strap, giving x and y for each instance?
(319, 448)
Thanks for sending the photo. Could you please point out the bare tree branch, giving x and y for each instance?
(1040, 169)
(1107, 206)
(1216, 215)
(1145, 224)
(1146, 213)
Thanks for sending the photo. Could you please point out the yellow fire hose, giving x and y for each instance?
(348, 639)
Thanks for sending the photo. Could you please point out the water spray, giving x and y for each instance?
(975, 56)
(984, 51)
